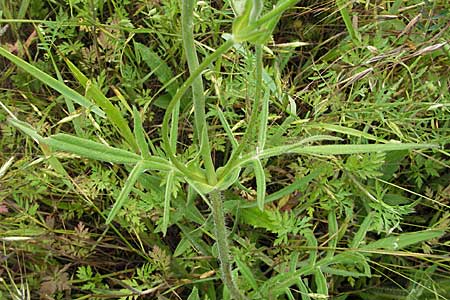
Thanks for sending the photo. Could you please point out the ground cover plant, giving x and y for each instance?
(224, 149)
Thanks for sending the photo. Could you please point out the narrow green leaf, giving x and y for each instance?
(347, 149)
(52, 82)
(321, 283)
(267, 30)
(194, 294)
(362, 231)
(197, 242)
(345, 130)
(262, 131)
(238, 6)
(297, 185)
(25, 128)
(89, 149)
(303, 289)
(246, 273)
(332, 232)
(277, 284)
(300, 148)
(341, 272)
(159, 67)
(183, 246)
(140, 135)
(53, 161)
(241, 22)
(343, 7)
(347, 258)
(167, 197)
(112, 112)
(293, 260)
(257, 7)
(225, 183)
(123, 196)
(260, 183)
(174, 126)
(311, 241)
(403, 240)
(227, 128)
(192, 213)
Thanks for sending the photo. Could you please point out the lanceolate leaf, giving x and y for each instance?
(260, 183)
(362, 231)
(167, 197)
(140, 135)
(159, 67)
(403, 240)
(25, 128)
(93, 150)
(345, 149)
(53, 83)
(321, 283)
(113, 113)
(90, 149)
(246, 273)
(300, 148)
(123, 196)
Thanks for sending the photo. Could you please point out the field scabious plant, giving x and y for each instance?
(181, 175)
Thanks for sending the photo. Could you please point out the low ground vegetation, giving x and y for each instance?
(307, 160)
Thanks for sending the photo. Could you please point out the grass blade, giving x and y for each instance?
(332, 232)
(167, 197)
(25, 128)
(348, 258)
(260, 183)
(194, 294)
(297, 185)
(321, 283)
(345, 130)
(349, 149)
(52, 82)
(53, 161)
(311, 241)
(300, 148)
(227, 128)
(123, 196)
(303, 289)
(345, 13)
(140, 135)
(362, 231)
(246, 273)
(159, 67)
(341, 272)
(113, 113)
(403, 240)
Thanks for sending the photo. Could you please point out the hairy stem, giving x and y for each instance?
(222, 244)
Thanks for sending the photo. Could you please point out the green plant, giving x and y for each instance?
(170, 170)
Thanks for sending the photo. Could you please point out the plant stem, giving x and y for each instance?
(201, 128)
(183, 88)
(255, 113)
(222, 244)
(198, 93)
